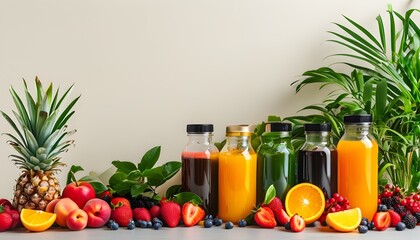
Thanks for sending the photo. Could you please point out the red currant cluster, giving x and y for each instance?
(412, 202)
(336, 203)
(390, 196)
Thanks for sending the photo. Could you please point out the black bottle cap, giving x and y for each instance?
(199, 128)
(278, 127)
(363, 118)
(317, 127)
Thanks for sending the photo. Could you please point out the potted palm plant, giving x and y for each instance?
(384, 81)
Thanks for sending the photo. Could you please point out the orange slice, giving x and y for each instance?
(36, 220)
(345, 221)
(306, 200)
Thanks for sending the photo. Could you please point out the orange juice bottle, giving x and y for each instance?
(358, 165)
(237, 174)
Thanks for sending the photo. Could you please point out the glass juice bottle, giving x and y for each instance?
(358, 165)
(275, 160)
(317, 160)
(237, 174)
(200, 166)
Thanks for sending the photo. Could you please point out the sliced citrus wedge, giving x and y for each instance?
(306, 200)
(36, 220)
(345, 221)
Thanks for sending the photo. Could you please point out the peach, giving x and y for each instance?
(62, 209)
(77, 219)
(98, 212)
(51, 205)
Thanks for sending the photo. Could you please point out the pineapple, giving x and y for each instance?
(39, 140)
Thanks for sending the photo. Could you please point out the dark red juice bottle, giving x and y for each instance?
(317, 159)
(200, 166)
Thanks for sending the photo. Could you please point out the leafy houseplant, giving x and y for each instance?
(143, 178)
(40, 138)
(384, 82)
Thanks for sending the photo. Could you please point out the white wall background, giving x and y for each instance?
(147, 68)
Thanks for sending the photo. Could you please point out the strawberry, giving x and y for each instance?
(275, 204)
(141, 214)
(192, 214)
(395, 218)
(382, 220)
(297, 224)
(15, 216)
(155, 211)
(6, 220)
(170, 213)
(121, 211)
(264, 217)
(282, 217)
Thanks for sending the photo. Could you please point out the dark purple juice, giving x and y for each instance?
(319, 168)
(200, 176)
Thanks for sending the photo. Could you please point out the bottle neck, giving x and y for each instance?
(238, 143)
(200, 138)
(356, 131)
(276, 137)
(322, 138)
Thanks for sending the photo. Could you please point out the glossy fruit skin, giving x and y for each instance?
(6, 221)
(208, 223)
(170, 213)
(141, 214)
(242, 223)
(287, 226)
(217, 222)
(382, 220)
(371, 225)
(4, 202)
(155, 211)
(122, 215)
(114, 226)
(192, 214)
(79, 192)
(77, 220)
(282, 217)
(98, 211)
(400, 226)
(362, 229)
(131, 225)
(297, 224)
(264, 217)
(229, 225)
(395, 218)
(62, 209)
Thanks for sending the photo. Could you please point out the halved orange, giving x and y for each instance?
(36, 220)
(306, 200)
(345, 221)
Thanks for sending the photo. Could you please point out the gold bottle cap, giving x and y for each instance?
(239, 130)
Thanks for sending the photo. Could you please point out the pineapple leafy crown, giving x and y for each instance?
(40, 127)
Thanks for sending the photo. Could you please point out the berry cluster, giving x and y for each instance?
(336, 203)
(390, 196)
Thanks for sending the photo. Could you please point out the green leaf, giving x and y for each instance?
(149, 159)
(124, 166)
(172, 190)
(70, 175)
(381, 98)
(269, 194)
(154, 176)
(138, 189)
(99, 187)
(169, 169)
(117, 178)
(123, 188)
(184, 197)
(134, 175)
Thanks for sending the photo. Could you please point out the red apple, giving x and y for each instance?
(5, 202)
(77, 220)
(98, 212)
(79, 192)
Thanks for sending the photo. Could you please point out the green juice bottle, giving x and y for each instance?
(276, 162)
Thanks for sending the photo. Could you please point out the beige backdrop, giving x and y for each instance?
(147, 68)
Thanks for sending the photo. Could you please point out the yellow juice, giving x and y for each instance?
(237, 184)
(358, 174)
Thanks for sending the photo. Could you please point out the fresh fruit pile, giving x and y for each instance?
(334, 204)
(9, 216)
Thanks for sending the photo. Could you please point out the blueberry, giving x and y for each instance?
(371, 225)
(137, 223)
(311, 225)
(131, 225)
(228, 225)
(208, 217)
(149, 224)
(108, 224)
(364, 222)
(400, 226)
(155, 220)
(217, 222)
(287, 226)
(362, 229)
(242, 223)
(114, 226)
(382, 208)
(365, 218)
(157, 225)
(208, 223)
(143, 224)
